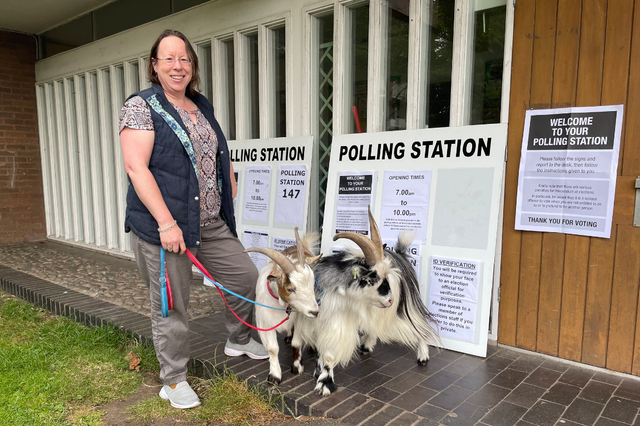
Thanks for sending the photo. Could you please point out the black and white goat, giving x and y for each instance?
(408, 322)
(286, 282)
(355, 286)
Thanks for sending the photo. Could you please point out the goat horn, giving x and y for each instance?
(300, 246)
(375, 236)
(365, 244)
(283, 261)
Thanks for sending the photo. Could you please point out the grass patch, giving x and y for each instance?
(85, 416)
(50, 364)
(54, 371)
(225, 400)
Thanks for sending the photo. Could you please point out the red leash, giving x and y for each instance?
(206, 273)
(269, 289)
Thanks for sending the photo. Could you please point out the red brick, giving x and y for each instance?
(21, 192)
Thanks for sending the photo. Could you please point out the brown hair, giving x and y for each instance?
(194, 84)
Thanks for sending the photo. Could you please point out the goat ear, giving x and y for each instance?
(312, 260)
(275, 275)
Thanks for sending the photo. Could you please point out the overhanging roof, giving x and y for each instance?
(38, 16)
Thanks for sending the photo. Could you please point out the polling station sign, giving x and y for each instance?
(273, 178)
(442, 185)
(568, 170)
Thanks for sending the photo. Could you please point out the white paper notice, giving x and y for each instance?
(453, 296)
(568, 170)
(257, 186)
(405, 203)
(290, 196)
(280, 244)
(256, 238)
(354, 197)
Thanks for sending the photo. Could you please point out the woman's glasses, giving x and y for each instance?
(170, 61)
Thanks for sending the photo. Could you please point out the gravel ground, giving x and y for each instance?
(106, 277)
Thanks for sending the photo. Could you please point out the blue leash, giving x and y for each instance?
(221, 287)
(163, 290)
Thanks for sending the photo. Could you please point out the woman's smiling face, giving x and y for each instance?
(174, 77)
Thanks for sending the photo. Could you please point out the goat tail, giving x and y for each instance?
(405, 238)
(311, 241)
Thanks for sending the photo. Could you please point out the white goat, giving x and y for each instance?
(285, 282)
(355, 285)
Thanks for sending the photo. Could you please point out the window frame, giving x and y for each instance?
(418, 67)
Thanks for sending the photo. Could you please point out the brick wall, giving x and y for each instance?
(22, 216)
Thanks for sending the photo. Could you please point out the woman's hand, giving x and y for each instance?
(173, 241)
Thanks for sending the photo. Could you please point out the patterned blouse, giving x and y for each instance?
(136, 114)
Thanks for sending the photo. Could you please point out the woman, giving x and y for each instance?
(181, 196)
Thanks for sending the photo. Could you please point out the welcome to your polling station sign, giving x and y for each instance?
(568, 170)
(442, 184)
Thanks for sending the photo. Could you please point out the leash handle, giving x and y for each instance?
(164, 304)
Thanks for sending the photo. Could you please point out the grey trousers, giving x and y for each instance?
(223, 256)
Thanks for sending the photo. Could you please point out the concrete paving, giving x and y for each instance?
(508, 387)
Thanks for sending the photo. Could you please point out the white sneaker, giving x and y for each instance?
(181, 397)
(253, 350)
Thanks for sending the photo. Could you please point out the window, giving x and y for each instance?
(440, 63)
(254, 87)
(280, 77)
(229, 86)
(324, 57)
(359, 52)
(397, 64)
(488, 61)
(204, 59)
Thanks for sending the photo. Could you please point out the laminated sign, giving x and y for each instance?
(568, 170)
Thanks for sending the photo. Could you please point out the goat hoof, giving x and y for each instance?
(423, 361)
(274, 380)
(322, 390)
(297, 368)
(326, 388)
(319, 390)
(363, 350)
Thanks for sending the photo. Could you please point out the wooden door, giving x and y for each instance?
(564, 295)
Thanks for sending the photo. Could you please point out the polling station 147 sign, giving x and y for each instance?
(273, 178)
(568, 170)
